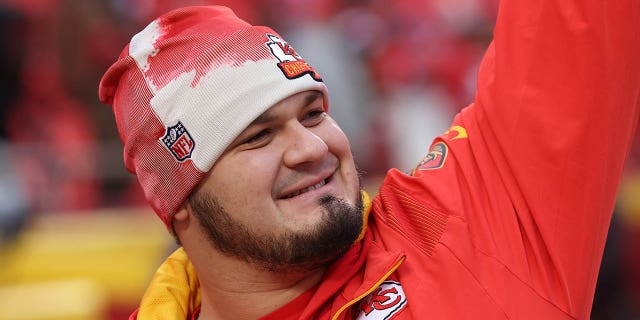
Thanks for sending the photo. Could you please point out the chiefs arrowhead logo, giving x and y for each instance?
(291, 63)
(384, 303)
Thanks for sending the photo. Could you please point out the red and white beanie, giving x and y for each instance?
(186, 86)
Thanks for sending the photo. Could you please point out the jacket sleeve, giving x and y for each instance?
(555, 111)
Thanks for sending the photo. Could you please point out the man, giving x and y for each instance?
(505, 218)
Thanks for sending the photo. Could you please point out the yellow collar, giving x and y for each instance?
(173, 292)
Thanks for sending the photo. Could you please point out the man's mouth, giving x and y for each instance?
(305, 190)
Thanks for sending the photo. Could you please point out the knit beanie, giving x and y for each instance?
(186, 86)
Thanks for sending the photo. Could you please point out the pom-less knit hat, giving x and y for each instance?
(186, 86)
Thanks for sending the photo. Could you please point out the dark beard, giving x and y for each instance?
(292, 251)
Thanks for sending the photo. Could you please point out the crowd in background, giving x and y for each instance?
(397, 72)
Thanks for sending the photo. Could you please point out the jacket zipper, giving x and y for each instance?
(375, 286)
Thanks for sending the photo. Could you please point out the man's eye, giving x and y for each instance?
(314, 117)
(258, 137)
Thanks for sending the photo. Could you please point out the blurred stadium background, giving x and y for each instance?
(76, 238)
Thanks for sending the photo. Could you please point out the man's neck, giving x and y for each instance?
(235, 290)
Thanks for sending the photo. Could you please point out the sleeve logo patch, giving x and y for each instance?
(179, 142)
(384, 303)
(435, 158)
(291, 63)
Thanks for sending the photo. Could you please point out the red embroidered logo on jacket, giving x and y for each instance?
(291, 63)
(384, 303)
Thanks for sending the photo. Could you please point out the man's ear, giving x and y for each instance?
(183, 212)
(180, 220)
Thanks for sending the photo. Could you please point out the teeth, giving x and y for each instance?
(307, 189)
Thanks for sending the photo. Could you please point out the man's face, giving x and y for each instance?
(285, 194)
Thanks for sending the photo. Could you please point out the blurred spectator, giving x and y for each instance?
(51, 132)
(13, 205)
(11, 61)
(618, 288)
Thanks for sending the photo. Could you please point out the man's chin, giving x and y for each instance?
(321, 243)
(336, 229)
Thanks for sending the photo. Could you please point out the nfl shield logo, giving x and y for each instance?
(179, 142)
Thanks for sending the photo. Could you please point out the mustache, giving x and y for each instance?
(305, 172)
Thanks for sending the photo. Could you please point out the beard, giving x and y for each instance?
(290, 251)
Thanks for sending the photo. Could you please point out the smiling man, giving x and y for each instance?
(291, 182)
(226, 127)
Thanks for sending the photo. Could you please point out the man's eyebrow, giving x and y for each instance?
(268, 116)
(263, 118)
(310, 98)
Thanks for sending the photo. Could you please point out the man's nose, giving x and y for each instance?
(303, 146)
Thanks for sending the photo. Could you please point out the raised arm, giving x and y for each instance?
(556, 108)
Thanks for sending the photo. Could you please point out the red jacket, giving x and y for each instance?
(507, 215)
